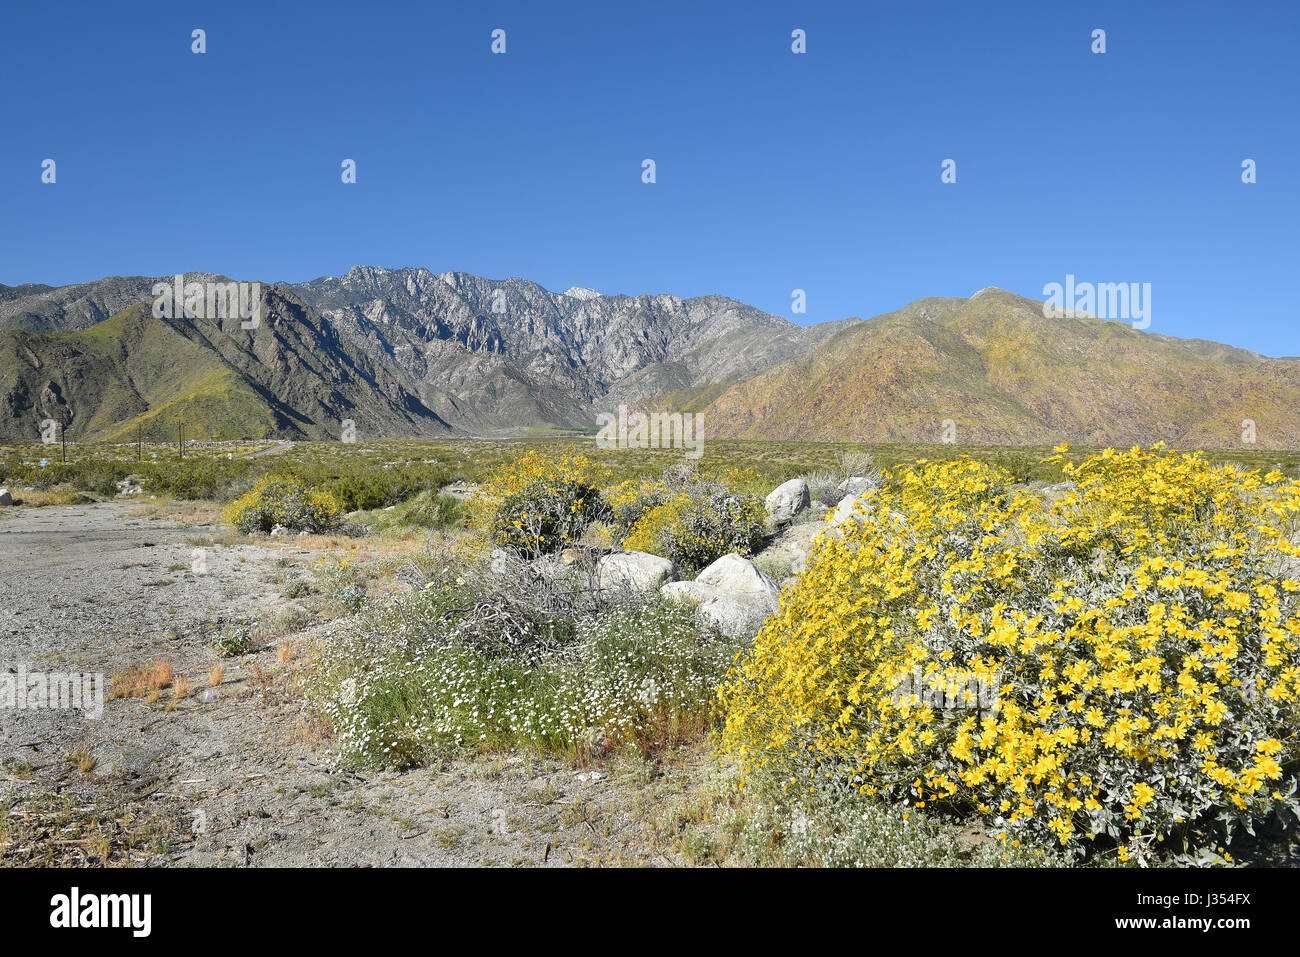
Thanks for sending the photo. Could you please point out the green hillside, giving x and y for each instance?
(287, 378)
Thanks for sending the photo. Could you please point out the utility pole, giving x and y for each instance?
(180, 446)
(63, 434)
(139, 442)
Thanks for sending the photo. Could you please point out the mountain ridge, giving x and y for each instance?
(411, 352)
(463, 353)
(1001, 373)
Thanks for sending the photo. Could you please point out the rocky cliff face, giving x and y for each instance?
(415, 352)
(411, 352)
(498, 353)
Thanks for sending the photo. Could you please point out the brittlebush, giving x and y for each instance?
(511, 478)
(1138, 639)
(282, 500)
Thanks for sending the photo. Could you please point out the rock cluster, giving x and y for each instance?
(731, 595)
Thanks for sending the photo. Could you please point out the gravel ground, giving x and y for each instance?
(236, 776)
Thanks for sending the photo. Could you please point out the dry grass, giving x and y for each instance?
(87, 830)
(39, 498)
(177, 510)
(161, 675)
(140, 681)
(82, 759)
(215, 675)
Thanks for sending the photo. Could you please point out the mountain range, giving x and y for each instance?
(1002, 374)
(411, 352)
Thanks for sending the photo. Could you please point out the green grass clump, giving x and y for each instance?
(820, 832)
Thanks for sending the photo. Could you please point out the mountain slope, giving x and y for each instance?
(290, 378)
(39, 308)
(408, 352)
(1005, 374)
(498, 353)
(399, 351)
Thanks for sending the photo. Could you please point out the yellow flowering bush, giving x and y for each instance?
(632, 500)
(513, 477)
(547, 515)
(688, 516)
(1122, 665)
(280, 500)
(710, 525)
(646, 535)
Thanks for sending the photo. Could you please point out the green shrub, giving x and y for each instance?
(295, 587)
(233, 640)
(432, 510)
(91, 475)
(198, 478)
(99, 482)
(282, 501)
(337, 579)
(547, 515)
(711, 526)
(286, 621)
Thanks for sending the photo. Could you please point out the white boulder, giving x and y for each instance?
(5, 497)
(786, 501)
(732, 595)
(856, 485)
(640, 571)
(1058, 491)
(848, 506)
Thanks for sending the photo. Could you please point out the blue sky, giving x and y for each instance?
(775, 171)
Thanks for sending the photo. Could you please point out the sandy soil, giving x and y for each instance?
(236, 775)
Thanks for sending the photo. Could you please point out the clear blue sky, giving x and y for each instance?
(776, 171)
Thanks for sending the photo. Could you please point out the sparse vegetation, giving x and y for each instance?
(140, 681)
(416, 678)
(441, 651)
(233, 640)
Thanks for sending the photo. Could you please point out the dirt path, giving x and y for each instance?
(273, 450)
(233, 775)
